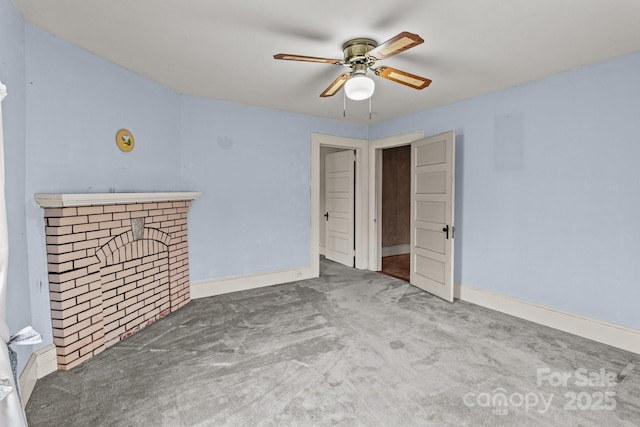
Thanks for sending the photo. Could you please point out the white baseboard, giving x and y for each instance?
(586, 327)
(41, 363)
(209, 288)
(395, 250)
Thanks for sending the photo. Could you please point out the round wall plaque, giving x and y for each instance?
(125, 140)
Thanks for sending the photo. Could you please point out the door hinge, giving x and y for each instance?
(453, 231)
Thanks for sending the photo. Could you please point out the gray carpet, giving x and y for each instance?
(349, 348)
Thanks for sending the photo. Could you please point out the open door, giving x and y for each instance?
(340, 215)
(432, 214)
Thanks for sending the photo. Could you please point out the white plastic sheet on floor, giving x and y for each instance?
(11, 412)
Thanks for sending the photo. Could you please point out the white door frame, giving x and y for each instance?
(375, 190)
(362, 196)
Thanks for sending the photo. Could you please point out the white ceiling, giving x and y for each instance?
(224, 49)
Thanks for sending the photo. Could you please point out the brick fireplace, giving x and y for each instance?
(117, 262)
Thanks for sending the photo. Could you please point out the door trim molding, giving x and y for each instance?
(362, 196)
(597, 330)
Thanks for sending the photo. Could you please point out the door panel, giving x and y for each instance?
(337, 184)
(432, 212)
(431, 240)
(340, 184)
(430, 268)
(432, 154)
(431, 182)
(340, 205)
(340, 246)
(340, 225)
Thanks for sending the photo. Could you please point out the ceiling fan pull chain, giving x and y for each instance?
(370, 107)
(344, 104)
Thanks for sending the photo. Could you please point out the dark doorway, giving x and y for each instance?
(396, 211)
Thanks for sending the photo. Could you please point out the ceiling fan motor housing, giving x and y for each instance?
(355, 50)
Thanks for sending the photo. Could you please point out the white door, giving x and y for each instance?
(432, 228)
(339, 196)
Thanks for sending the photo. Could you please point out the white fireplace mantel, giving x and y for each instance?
(58, 200)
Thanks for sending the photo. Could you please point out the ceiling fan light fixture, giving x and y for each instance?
(359, 87)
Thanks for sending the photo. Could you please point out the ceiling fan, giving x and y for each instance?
(360, 55)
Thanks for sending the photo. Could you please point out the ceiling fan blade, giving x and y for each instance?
(290, 57)
(397, 44)
(336, 85)
(403, 77)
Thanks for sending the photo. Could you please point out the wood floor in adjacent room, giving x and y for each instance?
(350, 348)
(398, 266)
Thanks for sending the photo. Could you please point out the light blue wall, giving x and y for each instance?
(253, 167)
(548, 189)
(12, 74)
(76, 102)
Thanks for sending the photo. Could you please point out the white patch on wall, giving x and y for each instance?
(507, 148)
